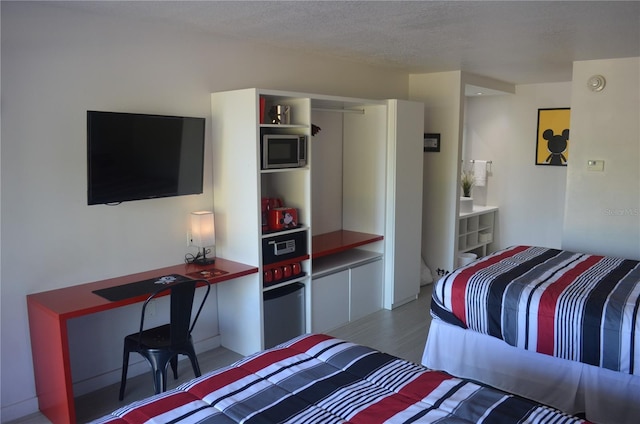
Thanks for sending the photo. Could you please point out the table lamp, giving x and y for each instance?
(203, 235)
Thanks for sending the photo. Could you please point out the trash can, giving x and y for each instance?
(466, 258)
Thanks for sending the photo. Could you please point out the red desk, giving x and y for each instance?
(48, 315)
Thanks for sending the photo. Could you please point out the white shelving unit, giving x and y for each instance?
(476, 229)
(347, 288)
(344, 260)
(348, 185)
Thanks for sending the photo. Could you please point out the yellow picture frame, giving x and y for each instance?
(552, 141)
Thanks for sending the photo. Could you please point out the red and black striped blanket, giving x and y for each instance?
(320, 379)
(570, 305)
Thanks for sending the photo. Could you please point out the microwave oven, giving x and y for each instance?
(284, 151)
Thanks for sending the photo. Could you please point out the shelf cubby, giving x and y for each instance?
(475, 229)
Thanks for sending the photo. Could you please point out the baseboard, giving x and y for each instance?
(19, 410)
(404, 301)
(137, 366)
(28, 407)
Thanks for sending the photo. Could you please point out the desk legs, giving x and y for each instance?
(51, 365)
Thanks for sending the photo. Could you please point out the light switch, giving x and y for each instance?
(595, 165)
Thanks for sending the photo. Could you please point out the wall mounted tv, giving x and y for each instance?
(139, 156)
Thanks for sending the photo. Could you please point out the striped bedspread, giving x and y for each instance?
(570, 305)
(320, 379)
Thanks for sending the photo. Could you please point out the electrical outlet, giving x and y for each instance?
(189, 239)
(595, 165)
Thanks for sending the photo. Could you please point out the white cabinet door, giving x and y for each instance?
(329, 301)
(366, 289)
(403, 237)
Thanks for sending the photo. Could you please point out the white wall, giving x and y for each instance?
(443, 97)
(498, 128)
(58, 63)
(561, 207)
(531, 197)
(326, 179)
(602, 213)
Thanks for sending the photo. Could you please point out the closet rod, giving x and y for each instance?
(323, 109)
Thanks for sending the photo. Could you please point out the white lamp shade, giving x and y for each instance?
(203, 231)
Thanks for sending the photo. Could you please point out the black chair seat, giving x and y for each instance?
(153, 338)
(160, 346)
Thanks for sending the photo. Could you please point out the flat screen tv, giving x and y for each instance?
(139, 156)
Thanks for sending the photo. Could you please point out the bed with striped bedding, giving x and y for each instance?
(319, 379)
(574, 306)
(558, 327)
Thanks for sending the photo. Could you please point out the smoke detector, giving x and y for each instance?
(596, 83)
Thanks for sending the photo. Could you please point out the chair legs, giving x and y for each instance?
(174, 366)
(194, 364)
(125, 367)
(159, 380)
(159, 364)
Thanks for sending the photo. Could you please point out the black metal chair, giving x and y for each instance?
(162, 345)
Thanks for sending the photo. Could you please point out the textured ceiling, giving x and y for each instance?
(514, 41)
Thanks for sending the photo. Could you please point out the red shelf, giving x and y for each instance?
(69, 302)
(340, 241)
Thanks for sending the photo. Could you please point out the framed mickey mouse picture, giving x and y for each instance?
(552, 142)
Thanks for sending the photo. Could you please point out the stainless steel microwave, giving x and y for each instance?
(284, 151)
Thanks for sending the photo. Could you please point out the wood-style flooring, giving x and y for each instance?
(401, 332)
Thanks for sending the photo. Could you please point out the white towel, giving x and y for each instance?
(480, 172)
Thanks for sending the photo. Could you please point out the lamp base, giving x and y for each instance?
(204, 261)
(201, 258)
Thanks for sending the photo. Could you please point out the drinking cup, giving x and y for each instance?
(286, 271)
(268, 276)
(277, 274)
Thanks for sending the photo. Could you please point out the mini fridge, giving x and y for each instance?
(284, 314)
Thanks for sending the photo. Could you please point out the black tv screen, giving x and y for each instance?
(138, 156)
